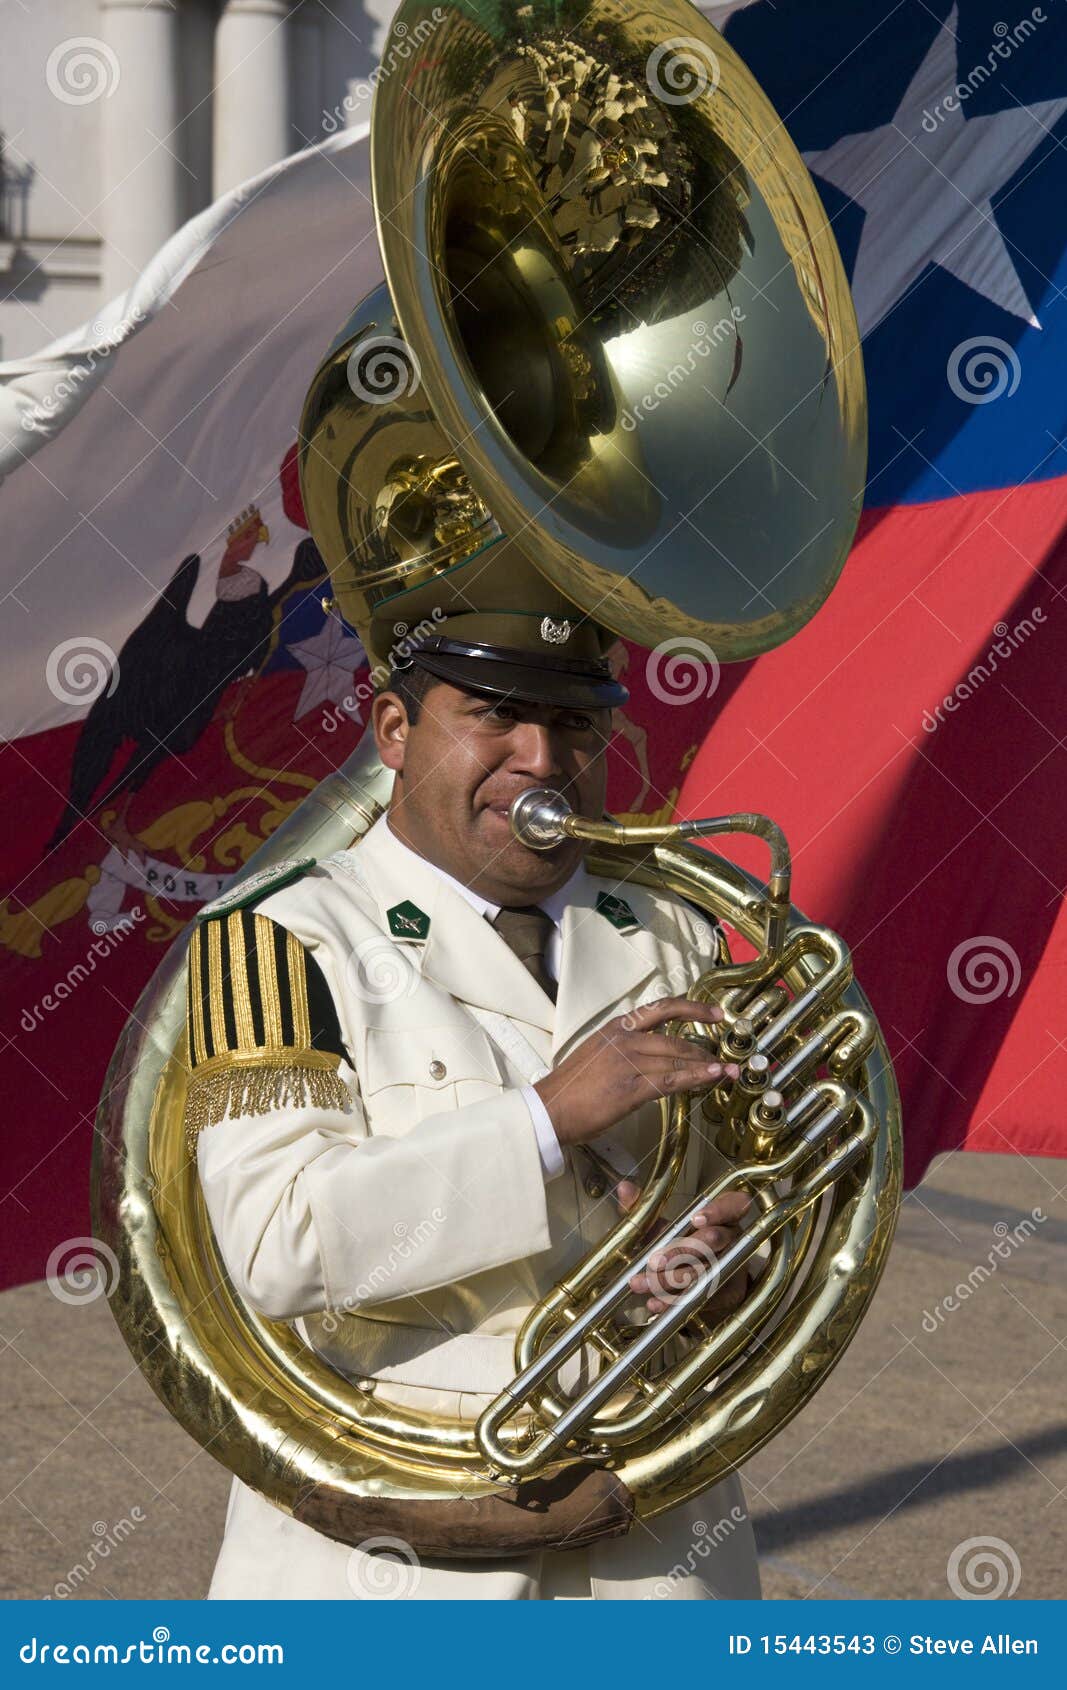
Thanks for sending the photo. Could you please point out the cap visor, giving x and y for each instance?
(525, 682)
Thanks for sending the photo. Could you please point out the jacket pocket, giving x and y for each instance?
(408, 1073)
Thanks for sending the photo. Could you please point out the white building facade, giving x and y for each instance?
(120, 119)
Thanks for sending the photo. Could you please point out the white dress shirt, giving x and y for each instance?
(554, 905)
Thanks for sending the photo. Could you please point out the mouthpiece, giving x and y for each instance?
(537, 818)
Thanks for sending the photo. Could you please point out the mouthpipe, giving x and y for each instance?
(541, 818)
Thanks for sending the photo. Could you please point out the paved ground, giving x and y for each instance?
(940, 1426)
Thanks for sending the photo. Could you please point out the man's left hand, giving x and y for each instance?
(674, 1268)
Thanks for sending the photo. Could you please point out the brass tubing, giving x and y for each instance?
(542, 1367)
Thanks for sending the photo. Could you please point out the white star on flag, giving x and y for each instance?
(721, 14)
(927, 191)
(331, 658)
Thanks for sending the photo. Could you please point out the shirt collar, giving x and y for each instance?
(553, 905)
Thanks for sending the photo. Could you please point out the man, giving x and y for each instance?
(414, 1061)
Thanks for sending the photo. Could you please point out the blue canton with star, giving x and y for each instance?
(948, 213)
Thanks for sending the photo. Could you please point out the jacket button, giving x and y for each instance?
(594, 1185)
(437, 1070)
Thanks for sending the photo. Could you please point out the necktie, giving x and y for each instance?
(526, 931)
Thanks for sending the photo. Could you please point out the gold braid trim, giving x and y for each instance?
(253, 1082)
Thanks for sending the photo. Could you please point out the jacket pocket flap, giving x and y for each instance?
(429, 1056)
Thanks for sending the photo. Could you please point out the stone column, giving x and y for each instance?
(141, 193)
(252, 90)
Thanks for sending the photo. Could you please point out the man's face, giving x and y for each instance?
(460, 765)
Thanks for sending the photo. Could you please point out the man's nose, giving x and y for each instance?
(534, 751)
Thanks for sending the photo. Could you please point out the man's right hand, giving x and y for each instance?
(626, 1063)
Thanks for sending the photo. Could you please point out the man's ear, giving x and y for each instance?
(389, 719)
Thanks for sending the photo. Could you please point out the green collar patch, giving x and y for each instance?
(616, 910)
(270, 879)
(407, 921)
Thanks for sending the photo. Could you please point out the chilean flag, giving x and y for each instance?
(911, 740)
(172, 687)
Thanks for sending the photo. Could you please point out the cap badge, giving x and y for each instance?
(555, 633)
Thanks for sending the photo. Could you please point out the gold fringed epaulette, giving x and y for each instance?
(263, 1027)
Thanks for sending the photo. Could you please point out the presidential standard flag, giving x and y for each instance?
(172, 687)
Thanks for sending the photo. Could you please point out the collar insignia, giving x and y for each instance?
(407, 921)
(616, 910)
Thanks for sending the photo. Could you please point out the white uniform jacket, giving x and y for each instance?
(423, 1206)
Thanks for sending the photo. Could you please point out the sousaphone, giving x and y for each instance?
(615, 333)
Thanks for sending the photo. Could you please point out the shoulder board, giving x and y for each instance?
(270, 879)
(262, 1024)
